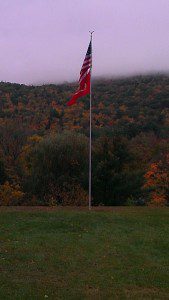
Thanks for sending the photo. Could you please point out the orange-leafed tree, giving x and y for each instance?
(157, 181)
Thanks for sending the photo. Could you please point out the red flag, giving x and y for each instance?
(84, 80)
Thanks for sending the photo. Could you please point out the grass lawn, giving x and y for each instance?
(64, 254)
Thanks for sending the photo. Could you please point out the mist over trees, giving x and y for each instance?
(44, 143)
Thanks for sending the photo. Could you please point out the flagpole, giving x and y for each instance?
(90, 139)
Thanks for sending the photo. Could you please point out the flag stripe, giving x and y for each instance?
(84, 80)
(84, 75)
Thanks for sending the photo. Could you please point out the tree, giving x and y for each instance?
(3, 175)
(57, 165)
(12, 138)
(157, 181)
(109, 177)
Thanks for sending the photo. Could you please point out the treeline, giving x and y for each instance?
(44, 143)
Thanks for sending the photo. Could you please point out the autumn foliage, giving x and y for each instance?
(44, 143)
(157, 181)
(10, 194)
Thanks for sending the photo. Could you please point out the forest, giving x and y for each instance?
(44, 143)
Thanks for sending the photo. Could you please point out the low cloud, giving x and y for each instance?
(45, 41)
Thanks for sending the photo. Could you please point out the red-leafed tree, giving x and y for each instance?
(157, 181)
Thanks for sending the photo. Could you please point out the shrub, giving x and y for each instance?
(10, 194)
(68, 194)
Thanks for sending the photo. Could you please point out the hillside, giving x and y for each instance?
(128, 114)
(127, 106)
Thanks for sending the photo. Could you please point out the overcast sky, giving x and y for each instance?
(45, 40)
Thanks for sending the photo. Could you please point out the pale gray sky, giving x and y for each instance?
(46, 40)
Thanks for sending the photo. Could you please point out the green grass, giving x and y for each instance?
(85, 255)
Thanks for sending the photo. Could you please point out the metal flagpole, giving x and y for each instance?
(90, 142)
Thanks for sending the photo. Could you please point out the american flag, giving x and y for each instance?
(84, 80)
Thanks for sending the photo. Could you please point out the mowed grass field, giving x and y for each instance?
(121, 253)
